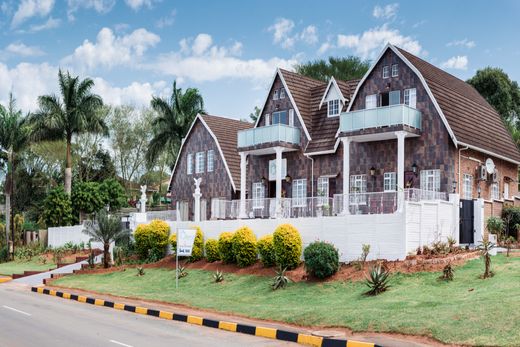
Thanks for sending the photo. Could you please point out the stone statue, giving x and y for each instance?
(197, 184)
(143, 199)
(197, 196)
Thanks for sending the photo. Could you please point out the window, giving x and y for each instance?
(211, 160)
(333, 107)
(358, 189)
(495, 193)
(279, 117)
(299, 192)
(395, 97)
(282, 93)
(218, 208)
(410, 97)
(276, 94)
(323, 191)
(506, 190)
(431, 180)
(386, 71)
(184, 210)
(189, 164)
(371, 101)
(267, 120)
(291, 117)
(199, 162)
(467, 183)
(258, 195)
(395, 70)
(389, 182)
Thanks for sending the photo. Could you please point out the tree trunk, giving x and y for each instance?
(106, 255)
(68, 168)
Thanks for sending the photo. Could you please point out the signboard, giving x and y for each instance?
(185, 238)
(272, 169)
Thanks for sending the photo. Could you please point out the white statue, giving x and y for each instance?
(197, 196)
(197, 184)
(143, 199)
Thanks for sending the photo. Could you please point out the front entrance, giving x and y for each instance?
(271, 192)
(467, 229)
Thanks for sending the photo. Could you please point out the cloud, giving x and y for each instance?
(325, 47)
(110, 50)
(51, 23)
(201, 44)
(309, 35)
(30, 8)
(386, 12)
(464, 43)
(135, 94)
(369, 43)
(457, 63)
(167, 21)
(283, 34)
(22, 50)
(100, 6)
(137, 4)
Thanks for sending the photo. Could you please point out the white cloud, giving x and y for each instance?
(100, 6)
(167, 21)
(136, 94)
(283, 34)
(370, 42)
(23, 50)
(51, 23)
(309, 35)
(201, 44)
(110, 50)
(464, 43)
(30, 8)
(325, 47)
(458, 63)
(137, 4)
(385, 12)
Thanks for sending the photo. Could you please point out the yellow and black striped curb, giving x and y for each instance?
(5, 279)
(271, 333)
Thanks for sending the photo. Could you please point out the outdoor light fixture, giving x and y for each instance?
(288, 178)
(454, 186)
(414, 168)
(264, 180)
(478, 191)
(372, 171)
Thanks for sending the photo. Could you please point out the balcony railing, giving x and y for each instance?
(268, 134)
(416, 195)
(380, 117)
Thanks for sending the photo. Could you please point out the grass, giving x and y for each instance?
(468, 310)
(19, 266)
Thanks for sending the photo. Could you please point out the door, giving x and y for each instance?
(466, 231)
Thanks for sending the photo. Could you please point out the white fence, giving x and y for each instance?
(59, 236)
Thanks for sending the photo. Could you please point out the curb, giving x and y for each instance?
(277, 334)
(5, 279)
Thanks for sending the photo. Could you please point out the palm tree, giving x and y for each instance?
(174, 118)
(77, 112)
(106, 229)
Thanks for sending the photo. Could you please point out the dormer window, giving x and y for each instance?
(395, 70)
(282, 93)
(386, 71)
(276, 94)
(333, 108)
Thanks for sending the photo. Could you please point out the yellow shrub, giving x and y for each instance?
(198, 246)
(212, 250)
(225, 247)
(151, 240)
(266, 250)
(244, 247)
(287, 245)
(173, 242)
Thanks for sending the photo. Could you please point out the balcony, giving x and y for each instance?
(269, 136)
(399, 117)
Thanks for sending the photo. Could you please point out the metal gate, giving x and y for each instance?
(466, 229)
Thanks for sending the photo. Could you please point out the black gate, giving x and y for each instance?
(466, 230)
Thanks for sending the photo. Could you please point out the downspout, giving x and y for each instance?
(312, 175)
(458, 178)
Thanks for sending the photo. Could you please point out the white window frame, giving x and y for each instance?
(358, 189)
(506, 190)
(189, 164)
(199, 162)
(386, 71)
(279, 114)
(389, 182)
(333, 108)
(395, 70)
(291, 117)
(467, 186)
(211, 160)
(282, 93)
(276, 94)
(410, 97)
(323, 187)
(299, 192)
(267, 119)
(495, 191)
(431, 180)
(394, 92)
(371, 101)
(258, 195)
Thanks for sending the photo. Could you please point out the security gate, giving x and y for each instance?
(467, 229)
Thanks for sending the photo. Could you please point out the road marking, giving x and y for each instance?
(15, 310)
(120, 343)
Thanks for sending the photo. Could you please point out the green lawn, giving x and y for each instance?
(18, 267)
(466, 311)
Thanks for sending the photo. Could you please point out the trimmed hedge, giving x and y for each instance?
(321, 259)
(266, 250)
(244, 247)
(173, 242)
(151, 240)
(197, 252)
(287, 245)
(225, 247)
(212, 253)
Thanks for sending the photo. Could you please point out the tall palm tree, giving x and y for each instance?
(77, 112)
(174, 117)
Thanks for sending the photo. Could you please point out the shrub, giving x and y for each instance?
(57, 208)
(225, 247)
(321, 259)
(266, 250)
(197, 253)
(218, 276)
(485, 247)
(511, 216)
(151, 240)
(495, 225)
(87, 197)
(212, 250)
(244, 247)
(4, 254)
(447, 273)
(287, 245)
(280, 280)
(377, 281)
(173, 242)
(115, 196)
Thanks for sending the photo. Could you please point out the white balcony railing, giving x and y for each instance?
(380, 117)
(414, 194)
(268, 134)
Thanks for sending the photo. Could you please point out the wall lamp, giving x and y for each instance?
(414, 168)
(288, 178)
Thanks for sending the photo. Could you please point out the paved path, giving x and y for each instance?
(29, 319)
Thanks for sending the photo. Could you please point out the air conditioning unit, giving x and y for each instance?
(495, 176)
(482, 173)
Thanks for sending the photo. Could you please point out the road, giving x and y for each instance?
(28, 319)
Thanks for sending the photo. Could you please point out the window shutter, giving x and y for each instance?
(291, 117)
(267, 120)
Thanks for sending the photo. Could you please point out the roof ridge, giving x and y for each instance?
(224, 117)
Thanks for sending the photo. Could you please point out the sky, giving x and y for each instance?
(229, 50)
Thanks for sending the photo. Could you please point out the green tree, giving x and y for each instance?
(87, 197)
(77, 112)
(173, 120)
(57, 208)
(114, 192)
(106, 229)
(255, 114)
(347, 68)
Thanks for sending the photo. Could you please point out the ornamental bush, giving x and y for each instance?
(57, 208)
(225, 247)
(287, 245)
(87, 197)
(197, 253)
(266, 250)
(212, 250)
(151, 240)
(321, 259)
(173, 242)
(244, 247)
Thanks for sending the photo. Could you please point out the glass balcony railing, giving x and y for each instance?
(268, 134)
(380, 117)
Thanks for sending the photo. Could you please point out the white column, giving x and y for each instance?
(346, 173)
(400, 169)
(278, 151)
(243, 169)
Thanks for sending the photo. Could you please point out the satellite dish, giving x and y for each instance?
(490, 166)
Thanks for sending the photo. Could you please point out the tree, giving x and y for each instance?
(174, 117)
(106, 229)
(255, 114)
(57, 208)
(114, 194)
(347, 68)
(77, 112)
(87, 197)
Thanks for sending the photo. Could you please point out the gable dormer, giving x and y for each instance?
(333, 99)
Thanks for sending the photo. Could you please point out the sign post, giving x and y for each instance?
(185, 239)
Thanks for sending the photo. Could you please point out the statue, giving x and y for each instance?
(197, 184)
(143, 199)
(197, 196)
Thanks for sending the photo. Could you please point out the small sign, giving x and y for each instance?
(185, 238)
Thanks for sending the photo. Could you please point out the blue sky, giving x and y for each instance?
(134, 49)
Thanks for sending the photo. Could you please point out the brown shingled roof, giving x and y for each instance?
(472, 119)
(225, 130)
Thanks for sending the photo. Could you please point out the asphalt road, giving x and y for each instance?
(28, 319)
